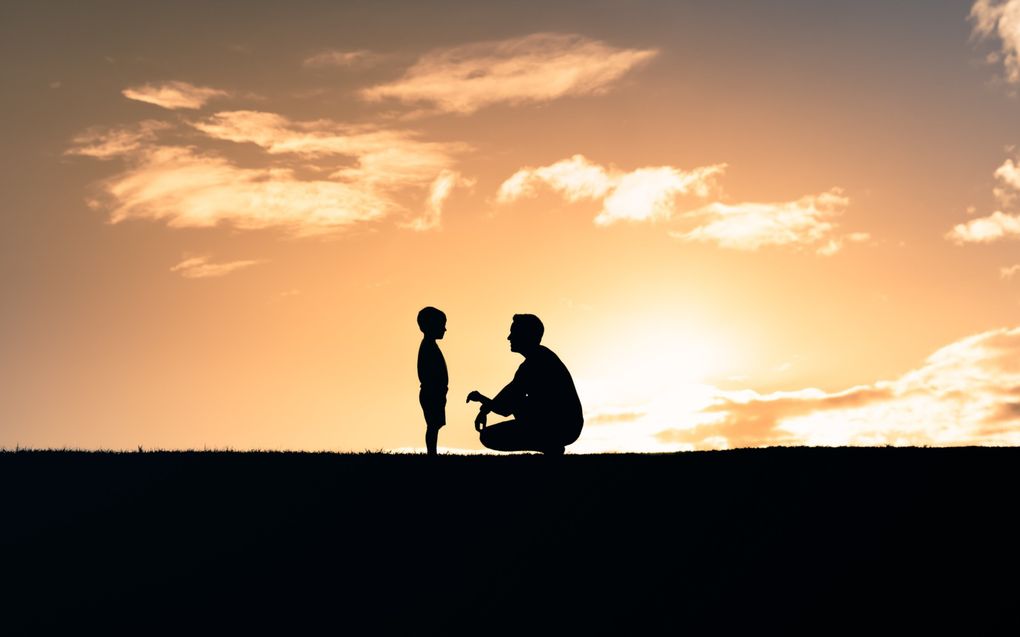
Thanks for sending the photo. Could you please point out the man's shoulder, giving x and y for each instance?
(547, 355)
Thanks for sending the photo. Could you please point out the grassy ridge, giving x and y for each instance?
(793, 538)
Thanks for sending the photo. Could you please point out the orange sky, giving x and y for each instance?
(742, 224)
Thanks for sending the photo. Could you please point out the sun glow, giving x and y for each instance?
(655, 376)
(654, 352)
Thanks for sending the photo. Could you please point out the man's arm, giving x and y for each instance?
(478, 397)
(504, 402)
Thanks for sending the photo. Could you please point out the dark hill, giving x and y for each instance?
(800, 539)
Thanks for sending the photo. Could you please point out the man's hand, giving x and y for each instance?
(486, 407)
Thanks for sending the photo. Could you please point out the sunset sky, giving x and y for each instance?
(742, 223)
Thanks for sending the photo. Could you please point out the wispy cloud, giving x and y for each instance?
(653, 194)
(371, 172)
(347, 59)
(575, 178)
(1007, 177)
(1000, 18)
(202, 268)
(1009, 272)
(999, 224)
(750, 226)
(645, 194)
(535, 68)
(187, 188)
(385, 157)
(108, 143)
(173, 95)
(649, 194)
(966, 393)
(438, 194)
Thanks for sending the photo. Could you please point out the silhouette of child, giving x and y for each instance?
(432, 374)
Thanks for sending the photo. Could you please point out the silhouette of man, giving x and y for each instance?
(541, 397)
(432, 375)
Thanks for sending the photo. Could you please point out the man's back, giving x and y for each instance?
(549, 389)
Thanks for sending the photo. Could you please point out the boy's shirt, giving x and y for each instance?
(432, 373)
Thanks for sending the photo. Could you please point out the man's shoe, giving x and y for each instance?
(554, 451)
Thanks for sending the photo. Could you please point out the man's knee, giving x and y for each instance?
(501, 436)
(490, 438)
(571, 434)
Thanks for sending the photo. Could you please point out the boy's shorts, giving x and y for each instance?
(433, 405)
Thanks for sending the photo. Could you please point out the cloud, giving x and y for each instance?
(649, 193)
(999, 224)
(333, 58)
(438, 194)
(173, 95)
(108, 143)
(535, 68)
(652, 194)
(371, 171)
(1009, 272)
(1002, 19)
(965, 393)
(1008, 174)
(995, 226)
(201, 268)
(575, 178)
(750, 226)
(1007, 184)
(187, 188)
(383, 156)
(614, 416)
(645, 194)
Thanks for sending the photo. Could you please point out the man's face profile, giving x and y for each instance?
(514, 337)
(520, 339)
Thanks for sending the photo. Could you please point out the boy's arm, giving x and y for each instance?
(431, 365)
(421, 363)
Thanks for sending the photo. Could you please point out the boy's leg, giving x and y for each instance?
(433, 406)
(431, 439)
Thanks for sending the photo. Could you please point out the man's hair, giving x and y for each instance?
(530, 326)
(430, 317)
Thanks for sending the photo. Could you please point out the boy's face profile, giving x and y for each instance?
(432, 322)
(436, 329)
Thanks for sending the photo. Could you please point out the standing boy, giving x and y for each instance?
(432, 374)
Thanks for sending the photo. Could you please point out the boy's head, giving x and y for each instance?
(432, 322)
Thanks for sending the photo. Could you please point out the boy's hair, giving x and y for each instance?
(430, 317)
(530, 326)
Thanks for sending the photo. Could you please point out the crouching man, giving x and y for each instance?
(541, 398)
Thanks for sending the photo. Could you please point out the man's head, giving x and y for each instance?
(525, 333)
(432, 322)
